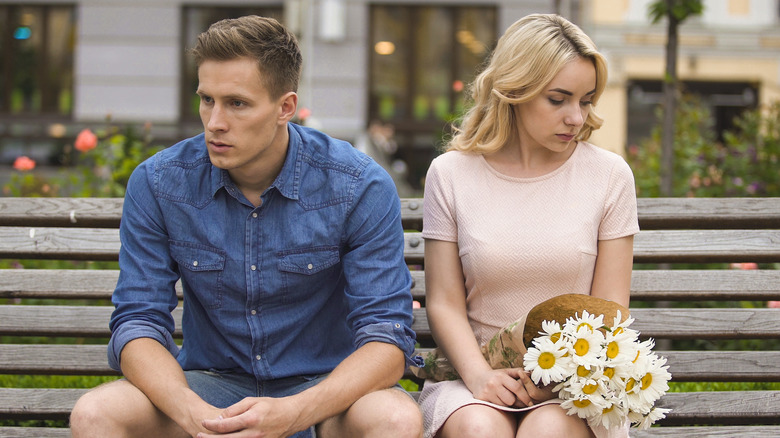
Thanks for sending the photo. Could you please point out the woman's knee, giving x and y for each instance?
(552, 421)
(477, 421)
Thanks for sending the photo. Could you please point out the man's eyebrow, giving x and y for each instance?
(569, 93)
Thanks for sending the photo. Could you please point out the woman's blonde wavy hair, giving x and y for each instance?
(527, 57)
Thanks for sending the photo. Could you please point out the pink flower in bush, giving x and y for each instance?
(304, 113)
(773, 304)
(85, 141)
(23, 164)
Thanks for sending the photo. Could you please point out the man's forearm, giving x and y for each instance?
(372, 367)
(152, 369)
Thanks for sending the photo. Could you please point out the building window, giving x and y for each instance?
(421, 60)
(36, 60)
(197, 19)
(724, 100)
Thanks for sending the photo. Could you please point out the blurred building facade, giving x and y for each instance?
(389, 74)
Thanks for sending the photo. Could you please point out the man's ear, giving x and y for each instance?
(288, 105)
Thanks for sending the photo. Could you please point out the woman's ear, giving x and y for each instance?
(288, 105)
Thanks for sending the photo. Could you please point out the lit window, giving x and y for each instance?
(422, 57)
(36, 66)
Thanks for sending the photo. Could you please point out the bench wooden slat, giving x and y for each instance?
(65, 321)
(712, 284)
(676, 246)
(91, 284)
(59, 243)
(729, 407)
(671, 323)
(708, 432)
(715, 213)
(61, 212)
(654, 213)
(721, 407)
(92, 321)
(706, 246)
(673, 246)
(55, 359)
(672, 285)
(58, 283)
(34, 432)
(685, 366)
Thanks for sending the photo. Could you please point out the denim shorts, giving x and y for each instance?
(226, 389)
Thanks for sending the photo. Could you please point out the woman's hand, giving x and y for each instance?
(536, 393)
(508, 387)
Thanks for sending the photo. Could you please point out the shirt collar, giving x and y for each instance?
(288, 180)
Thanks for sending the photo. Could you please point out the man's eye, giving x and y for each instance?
(238, 103)
(205, 99)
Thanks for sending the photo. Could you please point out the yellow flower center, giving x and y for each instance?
(547, 360)
(618, 331)
(581, 403)
(608, 410)
(609, 372)
(612, 350)
(589, 389)
(630, 384)
(636, 358)
(647, 380)
(582, 371)
(585, 324)
(581, 347)
(555, 337)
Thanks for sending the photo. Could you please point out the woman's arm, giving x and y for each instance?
(446, 309)
(612, 275)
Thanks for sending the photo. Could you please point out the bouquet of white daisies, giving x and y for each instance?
(602, 372)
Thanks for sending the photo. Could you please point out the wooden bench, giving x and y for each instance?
(39, 305)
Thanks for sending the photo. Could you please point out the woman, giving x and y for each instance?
(518, 210)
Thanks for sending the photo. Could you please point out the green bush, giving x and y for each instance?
(744, 164)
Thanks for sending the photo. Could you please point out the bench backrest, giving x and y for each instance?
(680, 241)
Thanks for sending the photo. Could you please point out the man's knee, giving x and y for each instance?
(88, 414)
(387, 413)
(400, 418)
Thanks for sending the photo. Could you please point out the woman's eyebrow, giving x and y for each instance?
(569, 93)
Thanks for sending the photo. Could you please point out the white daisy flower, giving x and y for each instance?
(651, 417)
(553, 330)
(584, 407)
(654, 382)
(546, 362)
(586, 347)
(587, 320)
(613, 415)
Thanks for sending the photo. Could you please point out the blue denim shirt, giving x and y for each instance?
(289, 288)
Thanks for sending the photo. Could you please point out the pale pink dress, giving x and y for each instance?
(522, 241)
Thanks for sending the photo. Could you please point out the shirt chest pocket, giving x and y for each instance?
(201, 269)
(305, 271)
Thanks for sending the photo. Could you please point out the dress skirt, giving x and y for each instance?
(439, 400)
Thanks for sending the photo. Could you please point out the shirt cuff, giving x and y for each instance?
(394, 333)
(136, 330)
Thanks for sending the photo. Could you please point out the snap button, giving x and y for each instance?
(195, 263)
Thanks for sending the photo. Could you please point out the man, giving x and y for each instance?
(289, 247)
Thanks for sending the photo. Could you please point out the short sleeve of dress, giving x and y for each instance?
(438, 213)
(620, 211)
